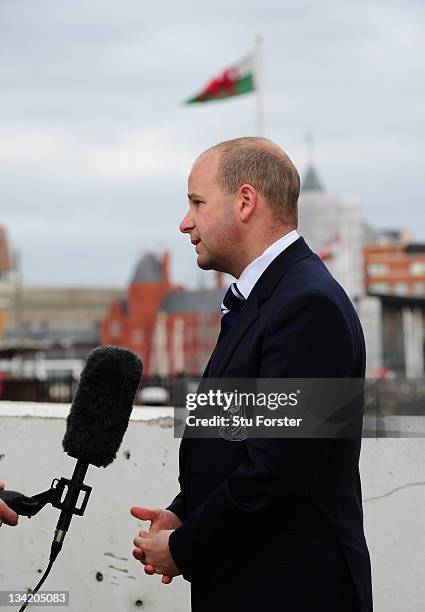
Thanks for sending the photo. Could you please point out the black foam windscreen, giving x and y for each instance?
(102, 405)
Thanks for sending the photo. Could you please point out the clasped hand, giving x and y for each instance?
(152, 548)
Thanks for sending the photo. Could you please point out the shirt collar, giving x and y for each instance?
(255, 269)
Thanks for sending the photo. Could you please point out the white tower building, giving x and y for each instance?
(332, 226)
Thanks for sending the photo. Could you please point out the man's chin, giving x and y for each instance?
(207, 263)
(204, 265)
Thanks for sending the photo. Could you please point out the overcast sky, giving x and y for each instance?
(95, 145)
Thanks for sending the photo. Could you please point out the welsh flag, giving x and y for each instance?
(233, 81)
(329, 248)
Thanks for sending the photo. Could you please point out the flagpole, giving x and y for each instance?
(259, 85)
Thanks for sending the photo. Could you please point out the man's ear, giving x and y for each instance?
(247, 201)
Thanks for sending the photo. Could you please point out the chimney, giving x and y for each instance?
(166, 268)
(5, 256)
(219, 280)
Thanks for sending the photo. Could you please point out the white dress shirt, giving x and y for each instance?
(255, 269)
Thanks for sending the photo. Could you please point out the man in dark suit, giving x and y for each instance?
(275, 523)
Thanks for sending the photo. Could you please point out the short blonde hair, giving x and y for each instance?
(262, 164)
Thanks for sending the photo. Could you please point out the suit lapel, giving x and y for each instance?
(225, 349)
(279, 267)
(250, 312)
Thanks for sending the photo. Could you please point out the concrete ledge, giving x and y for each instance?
(61, 411)
(96, 564)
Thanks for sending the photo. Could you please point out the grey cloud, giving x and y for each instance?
(98, 78)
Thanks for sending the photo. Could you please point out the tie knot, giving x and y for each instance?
(233, 300)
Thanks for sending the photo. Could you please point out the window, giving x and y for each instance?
(378, 288)
(115, 329)
(400, 288)
(137, 337)
(418, 268)
(377, 269)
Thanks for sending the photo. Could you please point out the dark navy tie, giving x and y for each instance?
(233, 303)
(231, 306)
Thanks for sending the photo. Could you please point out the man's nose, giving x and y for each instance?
(186, 224)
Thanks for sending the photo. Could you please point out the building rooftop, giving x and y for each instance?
(65, 304)
(311, 181)
(148, 270)
(414, 248)
(197, 300)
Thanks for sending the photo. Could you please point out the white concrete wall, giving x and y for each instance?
(369, 310)
(101, 540)
(393, 473)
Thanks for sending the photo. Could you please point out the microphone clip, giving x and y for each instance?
(58, 488)
(30, 506)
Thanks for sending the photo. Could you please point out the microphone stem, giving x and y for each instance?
(70, 501)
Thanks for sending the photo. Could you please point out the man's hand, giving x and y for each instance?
(7, 515)
(157, 552)
(160, 520)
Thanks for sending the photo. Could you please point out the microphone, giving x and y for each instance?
(96, 424)
(95, 427)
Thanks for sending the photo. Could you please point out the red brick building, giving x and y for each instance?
(173, 329)
(395, 268)
(6, 278)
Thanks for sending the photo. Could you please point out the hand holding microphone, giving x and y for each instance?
(7, 515)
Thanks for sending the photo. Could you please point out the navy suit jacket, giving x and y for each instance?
(279, 522)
